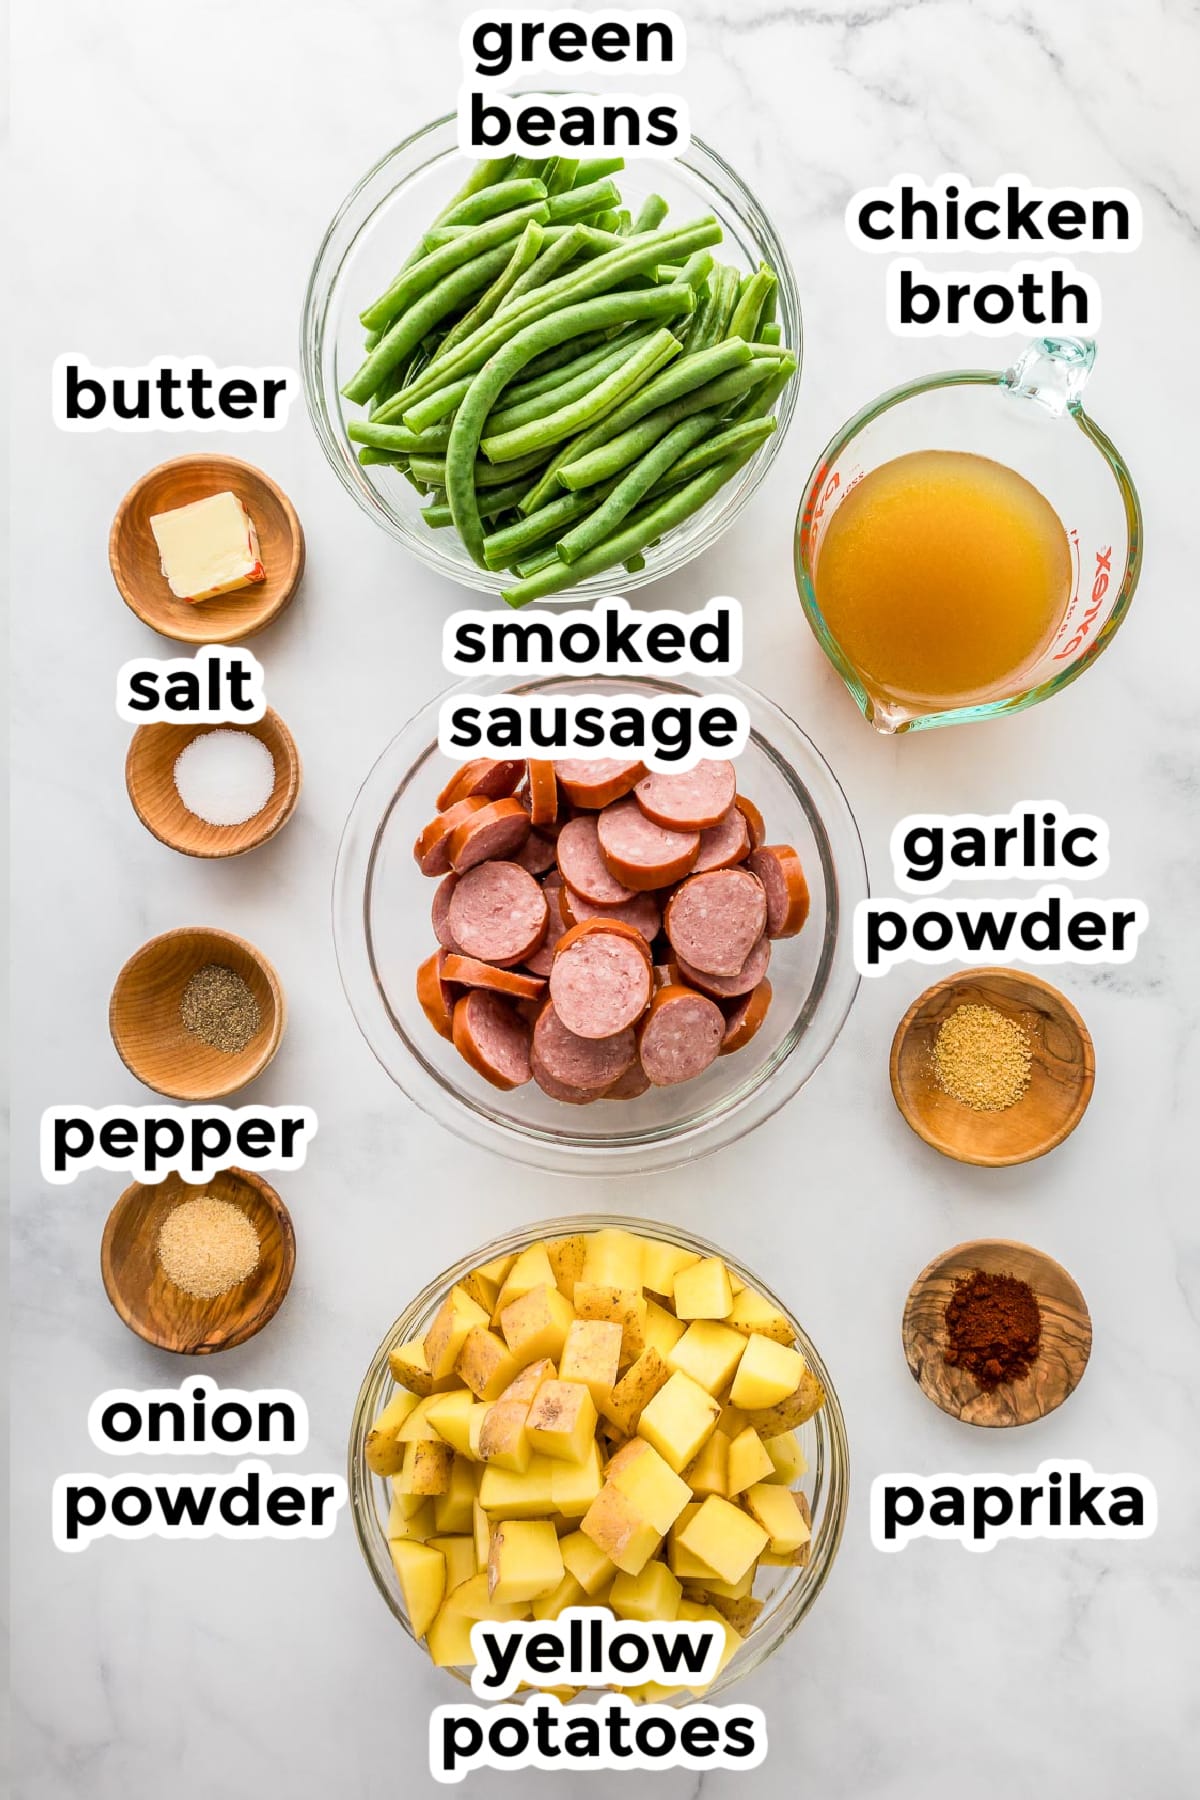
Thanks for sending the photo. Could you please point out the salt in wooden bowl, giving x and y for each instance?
(150, 782)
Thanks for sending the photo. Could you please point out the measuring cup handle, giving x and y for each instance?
(1053, 372)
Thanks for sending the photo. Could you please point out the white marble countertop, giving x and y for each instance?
(176, 168)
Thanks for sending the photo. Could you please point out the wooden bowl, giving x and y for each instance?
(137, 570)
(163, 1314)
(143, 1015)
(1061, 1077)
(1066, 1341)
(150, 780)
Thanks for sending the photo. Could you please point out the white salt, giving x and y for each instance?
(225, 777)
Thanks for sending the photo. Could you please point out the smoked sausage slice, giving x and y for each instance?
(468, 972)
(640, 853)
(681, 1036)
(497, 913)
(493, 780)
(600, 982)
(715, 920)
(543, 793)
(725, 843)
(778, 867)
(754, 821)
(730, 987)
(440, 910)
(744, 1017)
(642, 912)
(542, 959)
(583, 865)
(691, 799)
(578, 1062)
(498, 829)
(597, 783)
(432, 848)
(490, 1034)
(435, 997)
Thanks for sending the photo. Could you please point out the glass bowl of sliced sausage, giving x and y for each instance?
(593, 967)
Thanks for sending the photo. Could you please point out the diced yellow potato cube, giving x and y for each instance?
(702, 1290)
(748, 1462)
(475, 1423)
(503, 1439)
(613, 1258)
(452, 1510)
(459, 1552)
(426, 1468)
(713, 1588)
(663, 1330)
(767, 1373)
(449, 1638)
(661, 1262)
(450, 1417)
(519, 1494)
(584, 1560)
(752, 1312)
(566, 1260)
(653, 1595)
(787, 1458)
(683, 1562)
(484, 1283)
(799, 1406)
(411, 1517)
(409, 1367)
(530, 1380)
(384, 1451)
(615, 1525)
(416, 1428)
(573, 1486)
(678, 1420)
(625, 1307)
(741, 1613)
(775, 1509)
(524, 1560)
(645, 1478)
(445, 1337)
(731, 1421)
(481, 1534)
(636, 1388)
(724, 1537)
(485, 1363)
(421, 1571)
(472, 1602)
(709, 1352)
(530, 1270)
(592, 1354)
(408, 1503)
(562, 1420)
(536, 1325)
(567, 1593)
(709, 1474)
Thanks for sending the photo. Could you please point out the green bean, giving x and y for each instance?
(501, 548)
(624, 447)
(650, 521)
(697, 269)
(502, 197)
(770, 334)
(530, 165)
(599, 399)
(424, 274)
(594, 278)
(525, 253)
(517, 413)
(724, 299)
(762, 399)
(492, 503)
(744, 323)
(537, 560)
(609, 221)
(724, 443)
(369, 455)
(596, 168)
(651, 213)
(581, 202)
(770, 308)
(435, 470)
(690, 372)
(587, 314)
(537, 385)
(633, 487)
(397, 438)
(553, 258)
(412, 325)
(624, 222)
(437, 516)
(444, 400)
(562, 176)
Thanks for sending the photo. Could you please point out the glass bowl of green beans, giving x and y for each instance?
(550, 379)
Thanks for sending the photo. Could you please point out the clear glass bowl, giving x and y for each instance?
(382, 933)
(789, 1593)
(371, 233)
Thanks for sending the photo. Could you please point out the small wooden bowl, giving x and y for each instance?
(143, 1015)
(137, 570)
(163, 1314)
(1061, 1077)
(1066, 1341)
(150, 780)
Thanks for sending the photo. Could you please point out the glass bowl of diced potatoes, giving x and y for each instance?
(599, 1411)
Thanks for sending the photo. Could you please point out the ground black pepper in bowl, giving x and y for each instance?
(218, 1007)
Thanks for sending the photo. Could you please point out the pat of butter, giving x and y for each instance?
(208, 548)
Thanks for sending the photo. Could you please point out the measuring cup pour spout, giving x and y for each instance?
(1053, 372)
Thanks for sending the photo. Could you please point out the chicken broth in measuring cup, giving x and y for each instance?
(944, 577)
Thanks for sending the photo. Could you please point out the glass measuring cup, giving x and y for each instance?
(1031, 418)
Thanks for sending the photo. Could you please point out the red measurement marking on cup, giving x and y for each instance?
(1100, 585)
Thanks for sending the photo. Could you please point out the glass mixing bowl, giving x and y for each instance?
(789, 1593)
(382, 933)
(371, 233)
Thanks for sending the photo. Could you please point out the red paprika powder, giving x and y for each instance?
(994, 1328)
